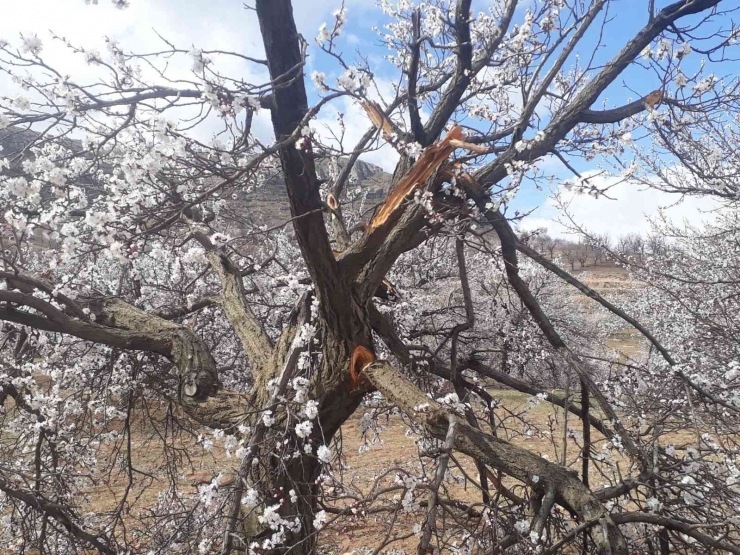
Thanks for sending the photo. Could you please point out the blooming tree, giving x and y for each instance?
(144, 310)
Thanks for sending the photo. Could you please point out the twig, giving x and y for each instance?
(430, 524)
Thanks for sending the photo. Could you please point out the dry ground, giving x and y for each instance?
(396, 449)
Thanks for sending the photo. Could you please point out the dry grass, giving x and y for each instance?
(397, 449)
(361, 469)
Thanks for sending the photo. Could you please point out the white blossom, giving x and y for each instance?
(22, 103)
(324, 34)
(311, 410)
(319, 520)
(220, 239)
(521, 526)
(251, 498)
(680, 80)
(303, 429)
(324, 454)
(32, 45)
(353, 79)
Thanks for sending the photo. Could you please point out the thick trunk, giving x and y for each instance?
(298, 475)
(281, 471)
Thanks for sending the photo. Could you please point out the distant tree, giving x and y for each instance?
(598, 246)
(657, 245)
(582, 253)
(602, 246)
(637, 245)
(569, 251)
(549, 245)
(623, 246)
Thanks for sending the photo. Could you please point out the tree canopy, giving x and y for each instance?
(148, 310)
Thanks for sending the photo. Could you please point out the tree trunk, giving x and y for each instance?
(280, 472)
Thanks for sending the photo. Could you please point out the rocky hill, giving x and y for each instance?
(266, 204)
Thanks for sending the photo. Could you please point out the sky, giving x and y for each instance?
(226, 25)
(630, 209)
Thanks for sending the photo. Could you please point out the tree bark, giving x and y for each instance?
(519, 463)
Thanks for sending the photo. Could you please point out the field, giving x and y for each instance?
(395, 448)
(399, 450)
(538, 428)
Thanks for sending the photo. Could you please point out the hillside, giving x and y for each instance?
(265, 205)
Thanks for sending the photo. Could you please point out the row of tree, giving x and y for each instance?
(599, 248)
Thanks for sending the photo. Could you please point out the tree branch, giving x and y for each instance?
(524, 387)
(52, 510)
(153, 94)
(433, 499)
(564, 121)
(591, 293)
(680, 526)
(460, 81)
(508, 249)
(285, 57)
(254, 340)
(515, 461)
(417, 128)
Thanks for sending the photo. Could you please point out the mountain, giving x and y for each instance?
(266, 204)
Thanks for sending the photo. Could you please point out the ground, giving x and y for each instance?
(537, 427)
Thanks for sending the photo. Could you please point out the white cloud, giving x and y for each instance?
(212, 24)
(628, 210)
(215, 25)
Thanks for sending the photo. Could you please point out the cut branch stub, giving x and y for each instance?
(362, 357)
(654, 98)
(195, 364)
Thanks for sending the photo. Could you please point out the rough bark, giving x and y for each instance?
(499, 454)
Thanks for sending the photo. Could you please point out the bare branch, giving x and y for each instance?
(517, 462)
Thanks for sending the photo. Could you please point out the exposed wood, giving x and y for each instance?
(422, 169)
(380, 120)
(362, 357)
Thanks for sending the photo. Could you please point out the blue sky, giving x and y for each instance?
(626, 18)
(223, 24)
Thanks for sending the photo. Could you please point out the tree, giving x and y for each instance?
(582, 251)
(138, 287)
(601, 245)
(631, 245)
(684, 296)
(657, 245)
(570, 253)
(548, 245)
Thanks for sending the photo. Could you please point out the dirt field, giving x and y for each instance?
(396, 449)
(537, 428)
(399, 450)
